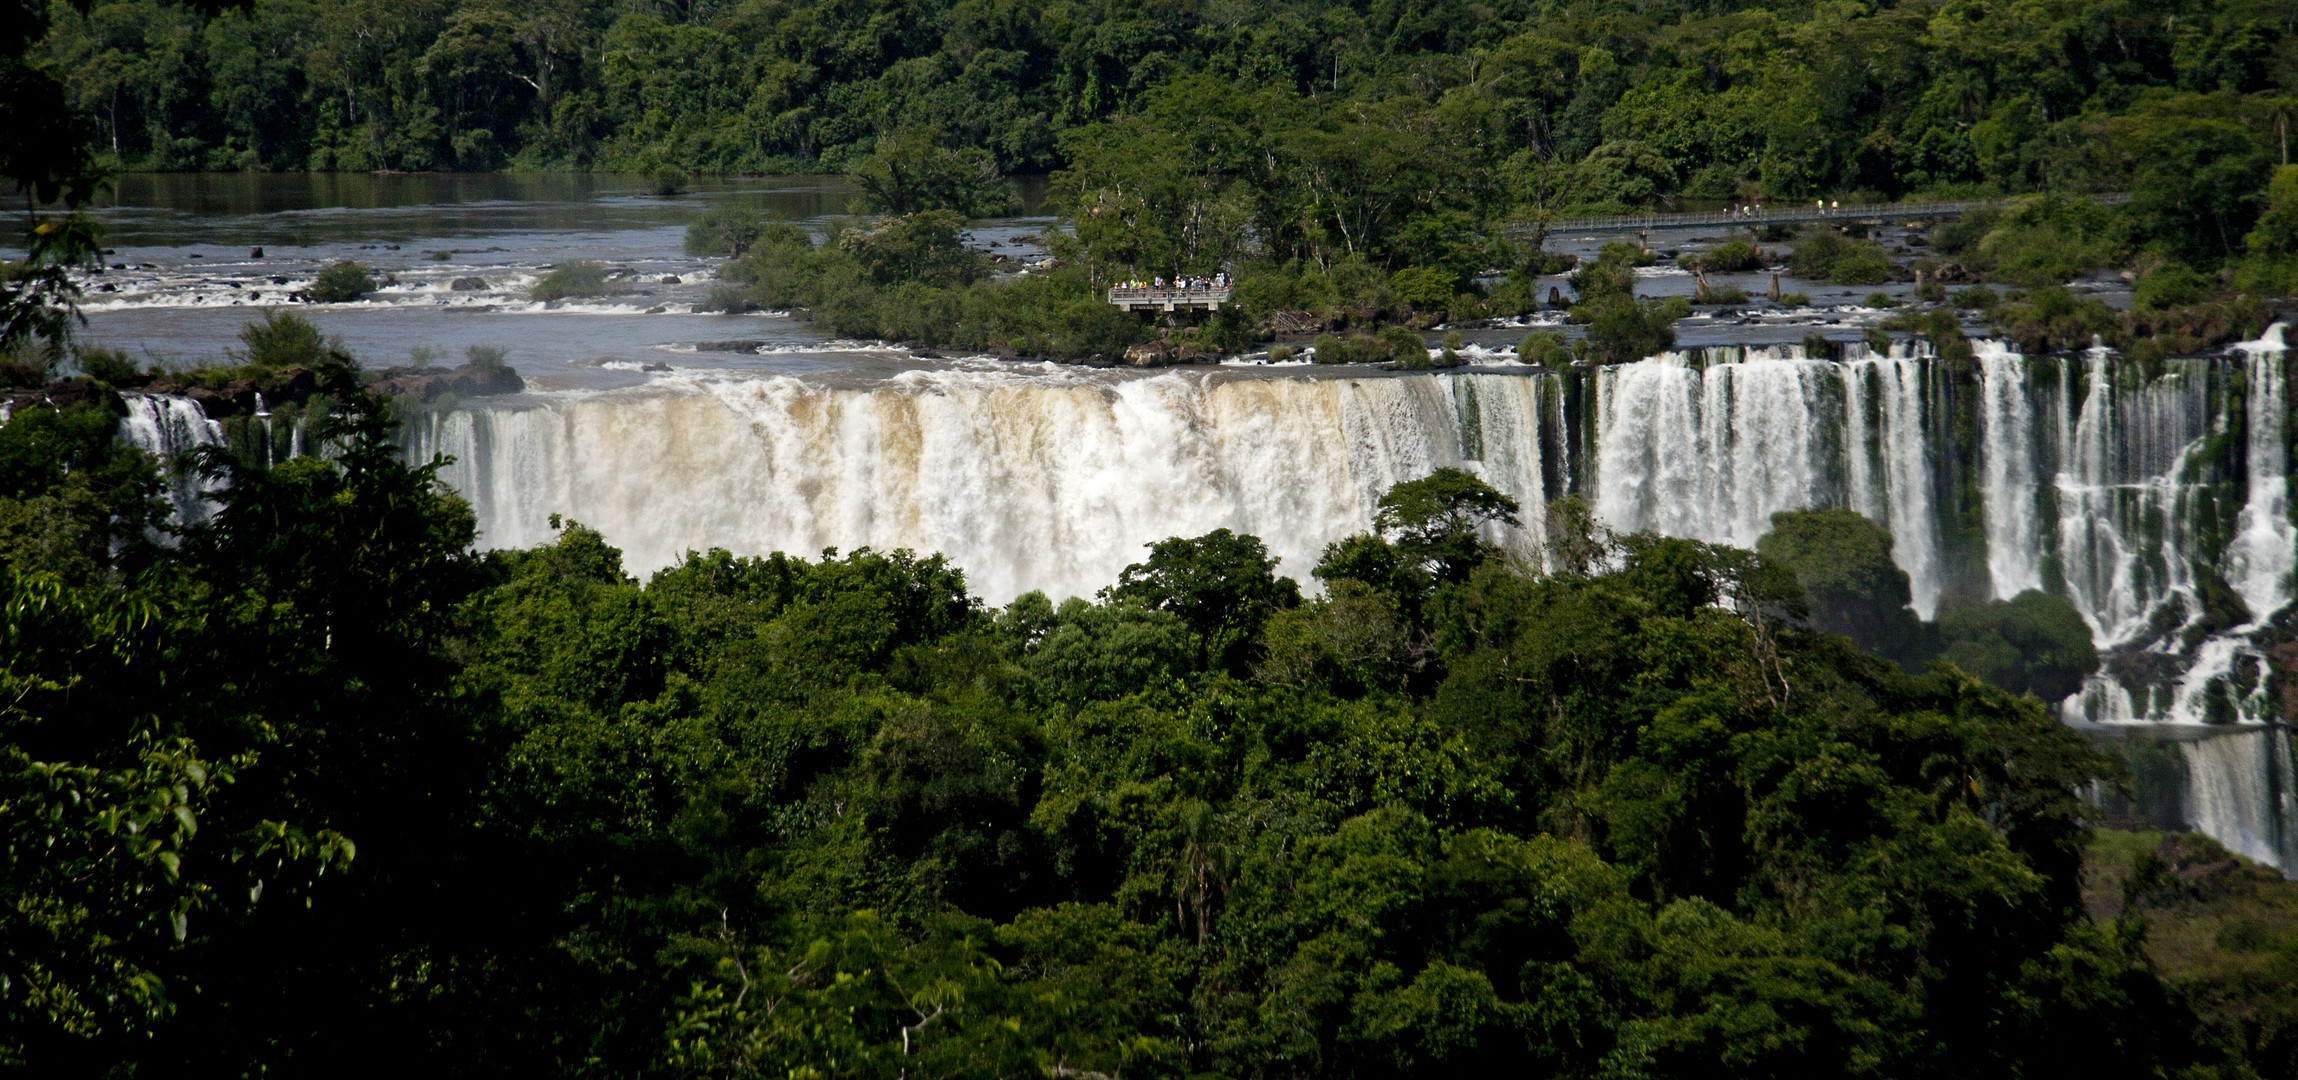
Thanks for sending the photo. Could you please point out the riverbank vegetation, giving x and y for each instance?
(910, 277)
(313, 788)
(1351, 167)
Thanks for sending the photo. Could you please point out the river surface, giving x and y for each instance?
(184, 276)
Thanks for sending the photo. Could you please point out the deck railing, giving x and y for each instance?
(1207, 297)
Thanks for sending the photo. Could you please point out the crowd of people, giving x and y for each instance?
(1217, 281)
(1751, 210)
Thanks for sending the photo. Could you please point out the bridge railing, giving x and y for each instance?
(1780, 215)
(1168, 298)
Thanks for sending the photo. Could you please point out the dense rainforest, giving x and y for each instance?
(1352, 166)
(1650, 100)
(312, 788)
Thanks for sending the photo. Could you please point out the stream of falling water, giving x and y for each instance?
(1026, 482)
(2107, 483)
(1711, 446)
(2014, 550)
(169, 428)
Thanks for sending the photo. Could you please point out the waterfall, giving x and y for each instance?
(2014, 550)
(2265, 545)
(2125, 541)
(2233, 783)
(1028, 482)
(1711, 450)
(1891, 465)
(166, 427)
(2239, 793)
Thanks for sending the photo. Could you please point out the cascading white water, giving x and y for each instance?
(1896, 488)
(1027, 482)
(2124, 537)
(2259, 555)
(2137, 479)
(167, 427)
(2264, 549)
(2007, 491)
(2239, 793)
(1710, 451)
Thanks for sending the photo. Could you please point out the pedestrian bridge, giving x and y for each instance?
(1779, 215)
(1203, 298)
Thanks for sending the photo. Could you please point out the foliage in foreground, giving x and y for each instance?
(836, 817)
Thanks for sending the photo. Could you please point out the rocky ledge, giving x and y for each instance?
(242, 397)
(1164, 353)
(428, 383)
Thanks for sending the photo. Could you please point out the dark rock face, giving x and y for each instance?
(467, 284)
(232, 400)
(288, 385)
(469, 380)
(61, 394)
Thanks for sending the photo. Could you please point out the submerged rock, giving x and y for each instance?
(467, 284)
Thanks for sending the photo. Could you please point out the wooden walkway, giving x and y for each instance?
(1208, 298)
(1778, 215)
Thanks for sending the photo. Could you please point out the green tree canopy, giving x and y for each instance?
(1438, 519)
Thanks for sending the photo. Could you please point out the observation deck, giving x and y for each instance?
(1205, 298)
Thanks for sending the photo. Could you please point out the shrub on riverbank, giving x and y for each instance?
(1729, 257)
(910, 279)
(1825, 254)
(725, 232)
(341, 283)
(2033, 242)
(572, 280)
(1621, 327)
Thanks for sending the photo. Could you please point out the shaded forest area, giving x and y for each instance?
(1634, 102)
